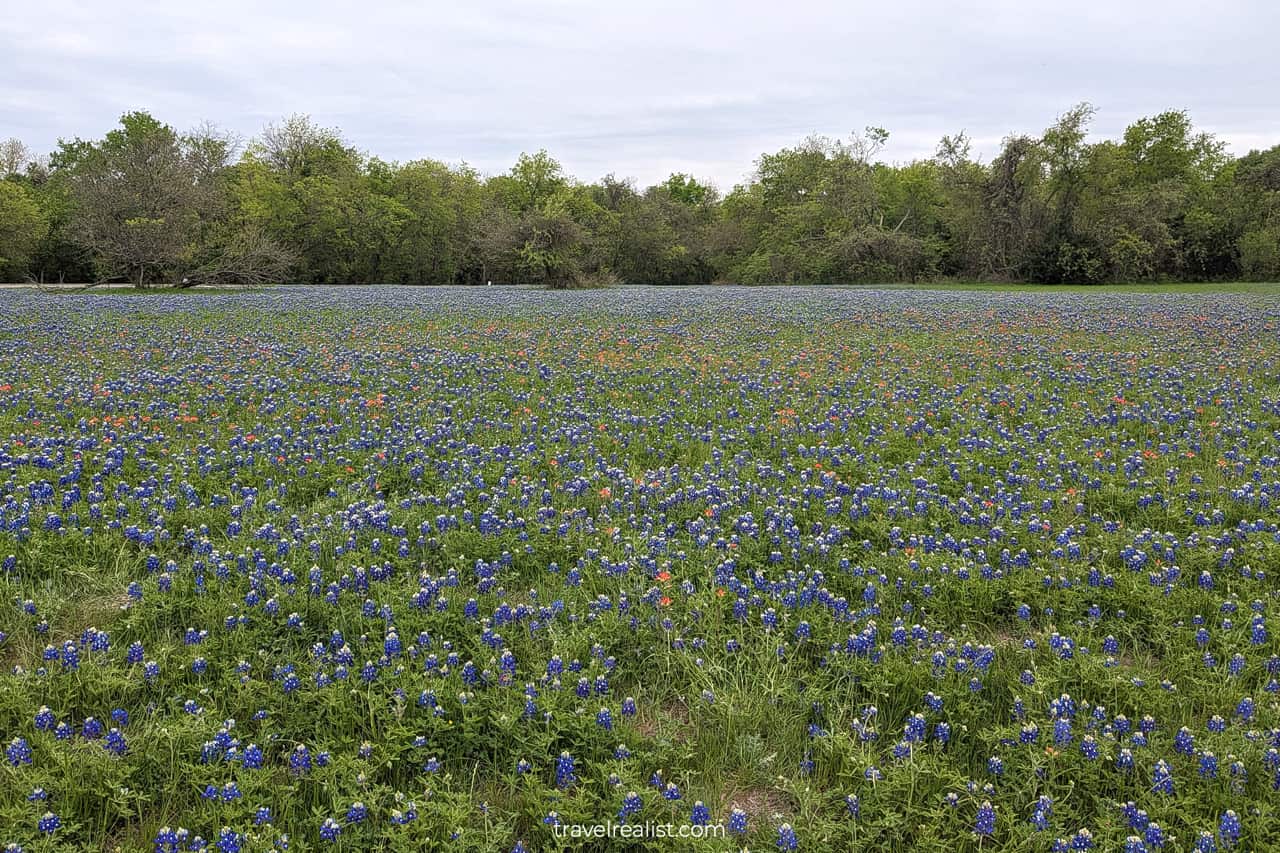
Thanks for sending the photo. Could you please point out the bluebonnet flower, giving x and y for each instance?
(300, 759)
(738, 822)
(914, 729)
(44, 719)
(1082, 840)
(985, 823)
(1062, 735)
(1184, 742)
(252, 757)
(408, 815)
(330, 830)
(631, 804)
(115, 743)
(1229, 828)
(564, 770)
(787, 838)
(167, 840)
(1162, 778)
(18, 752)
(229, 841)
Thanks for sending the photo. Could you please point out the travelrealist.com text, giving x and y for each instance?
(638, 830)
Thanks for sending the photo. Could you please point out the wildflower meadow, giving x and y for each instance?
(324, 569)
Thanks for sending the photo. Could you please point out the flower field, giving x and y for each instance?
(397, 569)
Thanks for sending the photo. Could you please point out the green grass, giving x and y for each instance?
(1269, 288)
(761, 514)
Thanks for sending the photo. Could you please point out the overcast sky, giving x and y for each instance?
(638, 88)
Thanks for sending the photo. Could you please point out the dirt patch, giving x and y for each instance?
(760, 804)
(90, 612)
(11, 655)
(671, 718)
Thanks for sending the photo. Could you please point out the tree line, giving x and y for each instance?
(149, 205)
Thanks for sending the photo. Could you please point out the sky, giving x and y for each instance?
(639, 89)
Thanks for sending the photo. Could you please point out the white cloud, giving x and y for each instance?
(638, 88)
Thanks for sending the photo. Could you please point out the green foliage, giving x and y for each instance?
(1260, 254)
(151, 205)
(686, 189)
(1164, 202)
(531, 184)
(22, 226)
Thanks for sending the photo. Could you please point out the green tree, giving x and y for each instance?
(22, 226)
(1162, 202)
(443, 205)
(306, 188)
(686, 190)
(531, 183)
(1254, 185)
(539, 225)
(961, 220)
(139, 198)
(151, 205)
